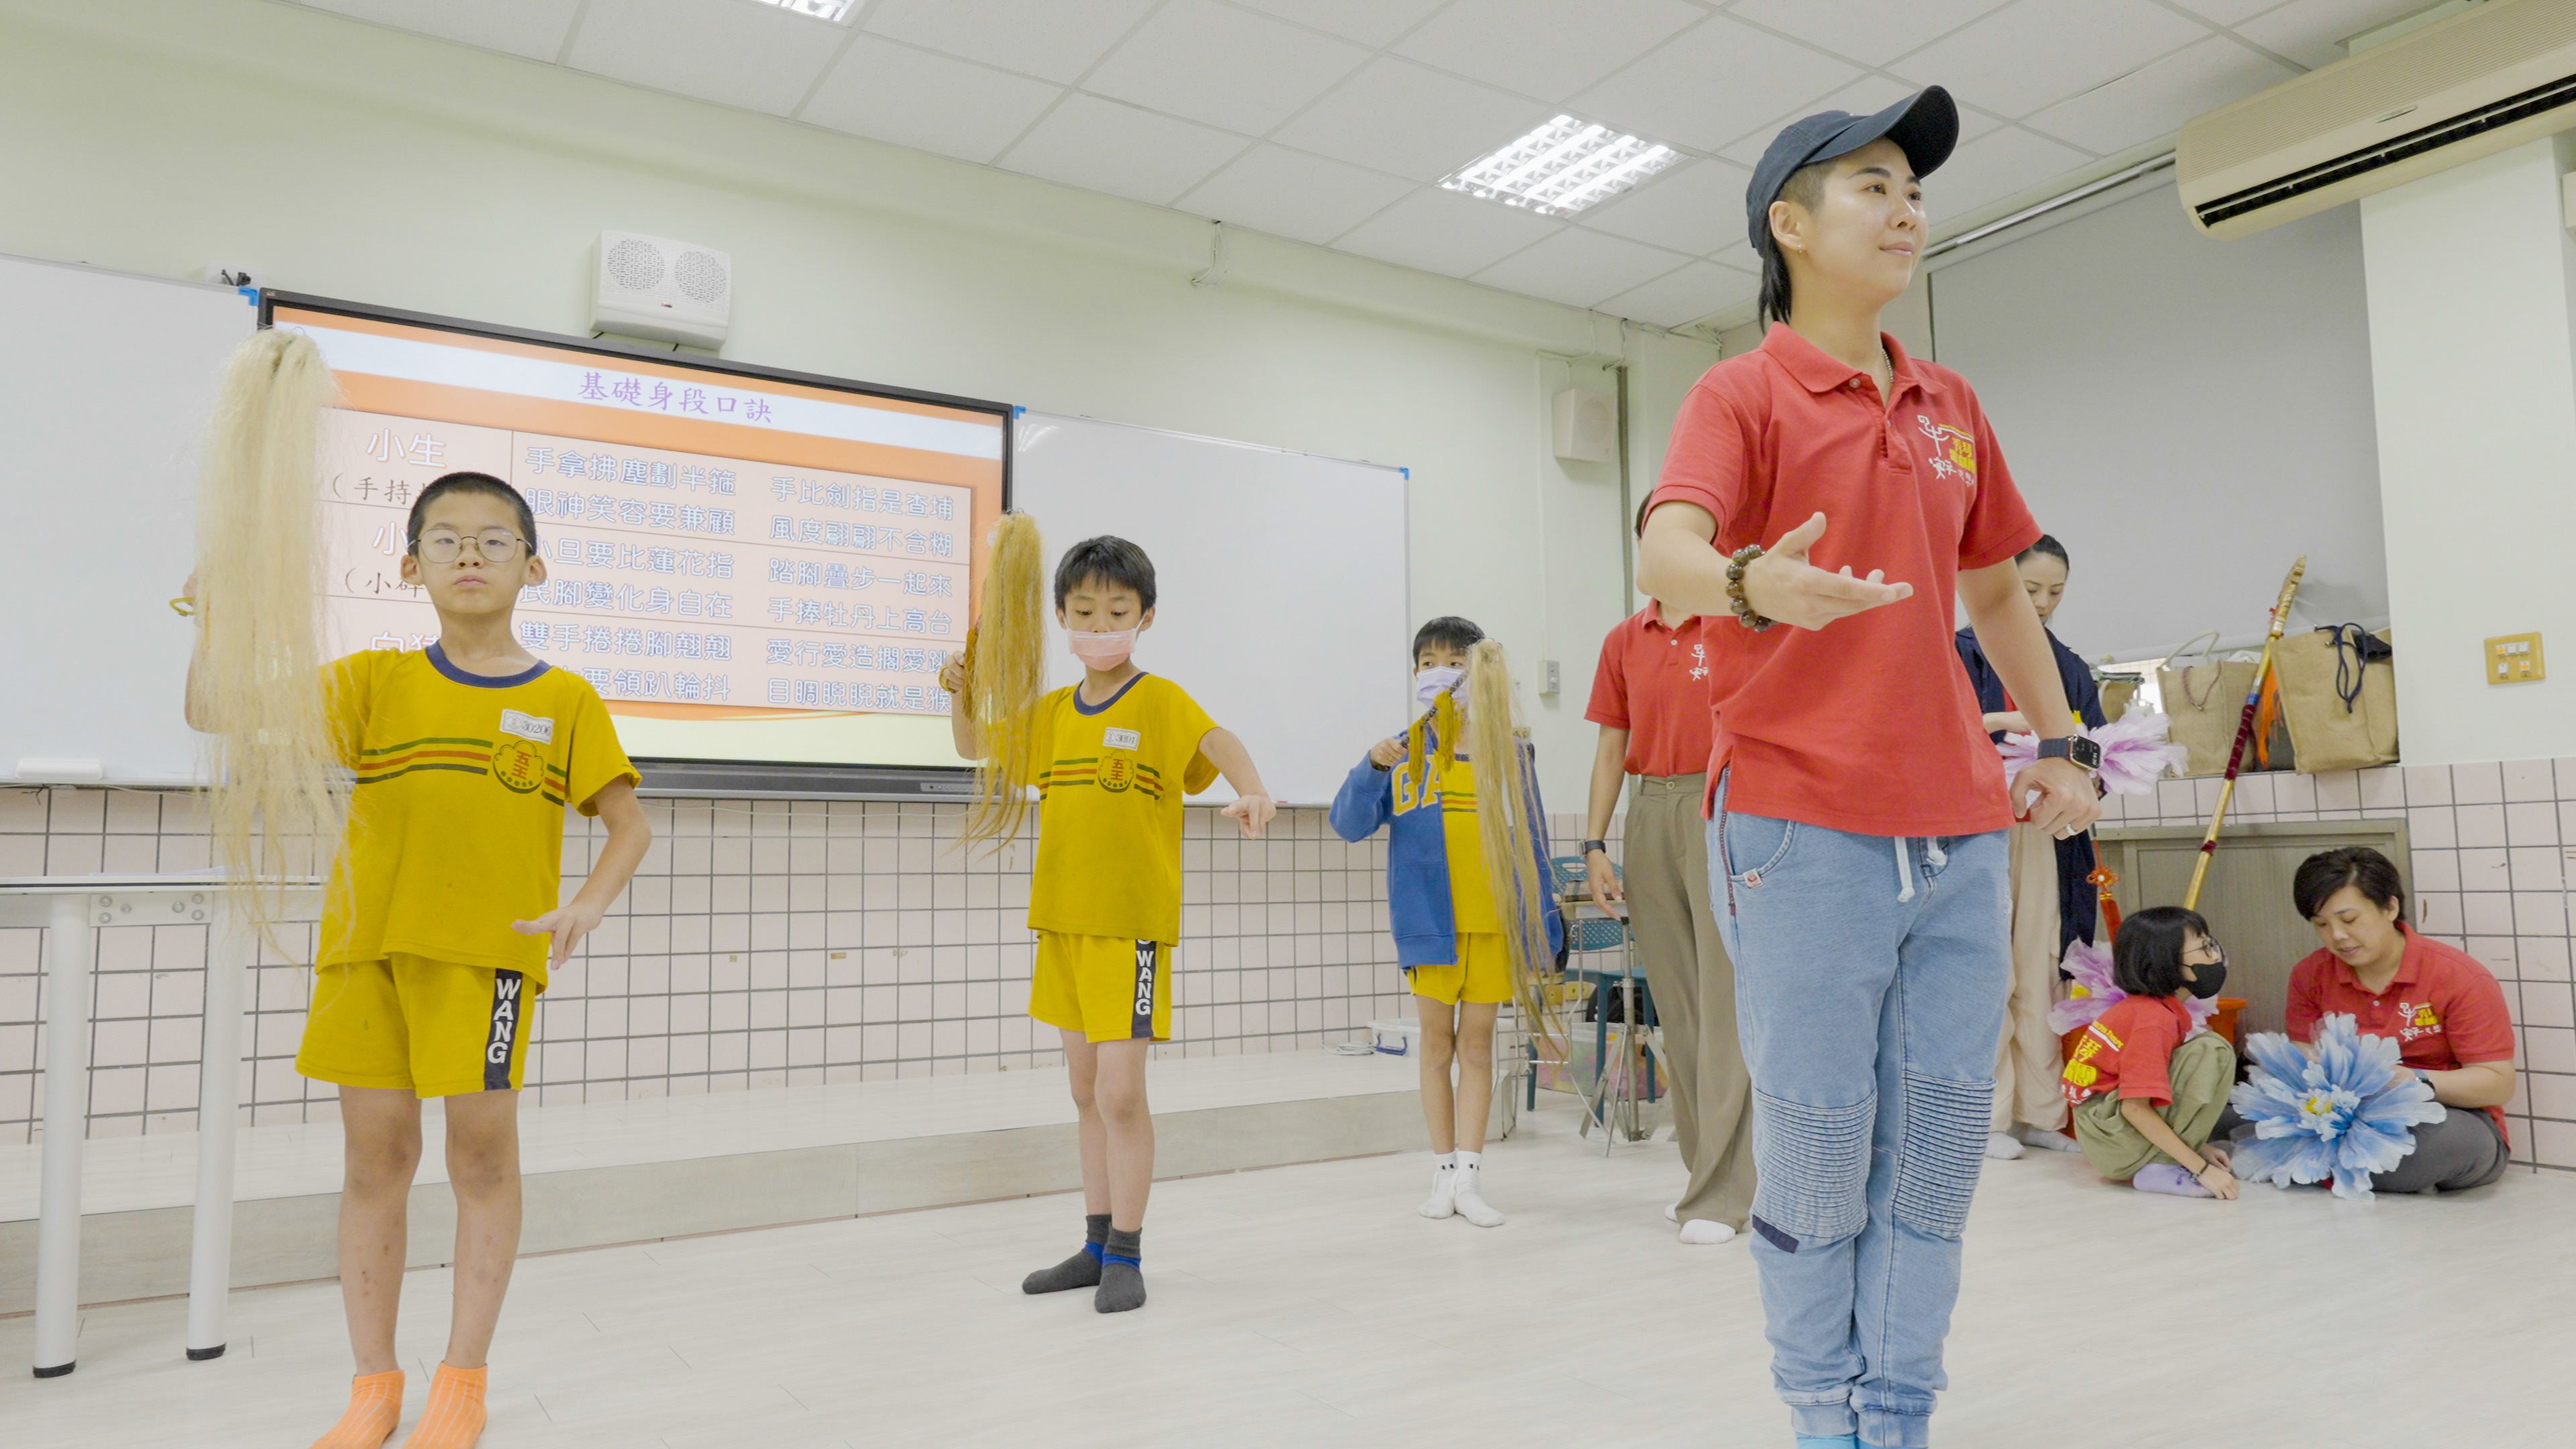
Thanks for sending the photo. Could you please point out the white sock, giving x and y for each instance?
(1470, 1198)
(1705, 1231)
(1672, 1212)
(1444, 1186)
(2044, 1139)
(2003, 1145)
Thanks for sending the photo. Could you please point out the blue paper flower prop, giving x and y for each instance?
(2340, 1115)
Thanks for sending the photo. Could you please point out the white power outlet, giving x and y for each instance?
(1547, 677)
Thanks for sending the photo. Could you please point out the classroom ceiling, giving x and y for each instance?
(1332, 121)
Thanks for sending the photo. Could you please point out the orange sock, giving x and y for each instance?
(454, 1418)
(375, 1407)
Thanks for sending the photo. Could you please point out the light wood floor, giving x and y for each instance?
(1308, 1306)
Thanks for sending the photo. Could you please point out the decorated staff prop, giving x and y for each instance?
(2244, 733)
(1005, 678)
(279, 791)
(2343, 1114)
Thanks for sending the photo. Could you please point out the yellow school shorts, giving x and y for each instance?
(1481, 974)
(432, 1028)
(1107, 988)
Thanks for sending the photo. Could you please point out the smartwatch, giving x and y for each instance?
(2086, 753)
(1590, 846)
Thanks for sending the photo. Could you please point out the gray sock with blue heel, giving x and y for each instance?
(1082, 1270)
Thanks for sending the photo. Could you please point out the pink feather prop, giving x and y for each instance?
(2090, 991)
(2136, 752)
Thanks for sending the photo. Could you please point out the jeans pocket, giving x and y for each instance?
(1754, 846)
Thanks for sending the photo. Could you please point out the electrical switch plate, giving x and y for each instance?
(1547, 676)
(2515, 659)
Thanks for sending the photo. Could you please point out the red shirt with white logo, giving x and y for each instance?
(1868, 724)
(1653, 682)
(2442, 1006)
(2128, 1051)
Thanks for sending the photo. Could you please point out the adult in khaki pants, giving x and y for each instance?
(1650, 697)
(2052, 902)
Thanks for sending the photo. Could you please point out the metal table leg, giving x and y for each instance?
(210, 1254)
(71, 952)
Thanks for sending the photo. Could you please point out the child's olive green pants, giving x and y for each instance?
(2203, 1070)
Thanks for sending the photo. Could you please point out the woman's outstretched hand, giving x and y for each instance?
(1782, 585)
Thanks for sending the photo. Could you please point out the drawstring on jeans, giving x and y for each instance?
(1933, 856)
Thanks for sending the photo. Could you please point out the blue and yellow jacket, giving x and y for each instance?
(1417, 861)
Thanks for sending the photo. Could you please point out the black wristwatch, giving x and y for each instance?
(2086, 753)
(1590, 846)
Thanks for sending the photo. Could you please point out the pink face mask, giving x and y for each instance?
(1103, 650)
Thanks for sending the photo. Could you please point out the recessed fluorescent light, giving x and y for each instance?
(836, 11)
(1562, 167)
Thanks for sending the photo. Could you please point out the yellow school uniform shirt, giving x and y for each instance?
(1471, 896)
(456, 822)
(1110, 779)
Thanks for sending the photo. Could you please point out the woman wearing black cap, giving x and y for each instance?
(1856, 848)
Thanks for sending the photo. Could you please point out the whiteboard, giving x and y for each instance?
(98, 435)
(1281, 582)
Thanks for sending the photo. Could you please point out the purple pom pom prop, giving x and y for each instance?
(2341, 1115)
(2137, 751)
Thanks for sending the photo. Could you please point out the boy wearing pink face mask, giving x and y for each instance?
(1112, 758)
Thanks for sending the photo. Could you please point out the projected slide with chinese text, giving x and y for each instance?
(746, 568)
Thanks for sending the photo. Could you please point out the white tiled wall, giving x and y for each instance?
(762, 943)
(774, 942)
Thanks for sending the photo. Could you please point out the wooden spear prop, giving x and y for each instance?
(2244, 734)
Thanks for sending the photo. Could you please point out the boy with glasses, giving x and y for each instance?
(444, 914)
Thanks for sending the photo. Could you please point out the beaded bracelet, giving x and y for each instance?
(1735, 566)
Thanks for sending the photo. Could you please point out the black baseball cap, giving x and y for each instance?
(1925, 125)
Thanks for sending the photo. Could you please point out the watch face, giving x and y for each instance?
(2087, 753)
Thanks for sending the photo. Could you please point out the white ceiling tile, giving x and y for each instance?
(1712, 84)
(1579, 268)
(1738, 254)
(1400, 117)
(925, 100)
(1224, 66)
(1370, 22)
(1119, 149)
(1872, 32)
(1677, 299)
(2312, 32)
(1442, 231)
(2029, 54)
(1544, 48)
(752, 56)
(2227, 12)
(533, 28)
(1291, 194)
(2154, 102)
(1993, 167)
(1696, 207)
(1057, 39)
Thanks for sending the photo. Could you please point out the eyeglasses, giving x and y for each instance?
(492, 545)
(2211, 952)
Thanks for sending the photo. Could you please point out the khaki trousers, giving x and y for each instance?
(1666, 873)
(2028, 1059)
(2201, 1073)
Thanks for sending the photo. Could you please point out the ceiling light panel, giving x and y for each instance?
(836, 11)
(1562, 167)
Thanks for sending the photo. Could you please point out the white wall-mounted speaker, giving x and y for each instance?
(670, 291)
(1586, 426)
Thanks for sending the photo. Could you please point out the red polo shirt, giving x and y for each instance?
(2444, 1009)
(2128, 1050)
(1868, 724)
(1653, 682)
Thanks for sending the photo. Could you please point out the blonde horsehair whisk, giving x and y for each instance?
(1507, 826)
(278, 788)
(1006, 678)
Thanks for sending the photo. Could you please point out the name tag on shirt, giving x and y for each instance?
(527, 726)
(1118, 739)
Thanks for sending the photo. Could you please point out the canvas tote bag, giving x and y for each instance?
(2339, 697)
(2204, 696)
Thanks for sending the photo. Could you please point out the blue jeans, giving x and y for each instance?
(1870, 976)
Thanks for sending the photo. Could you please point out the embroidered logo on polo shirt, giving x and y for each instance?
(1699, 661)
(2419, 1018)
(1954, 453)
